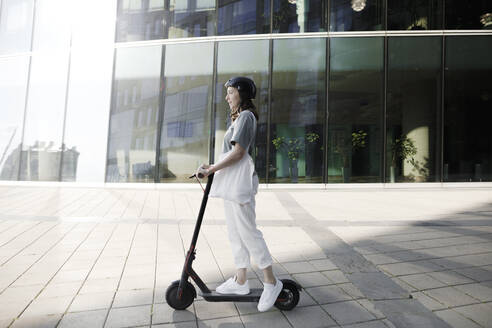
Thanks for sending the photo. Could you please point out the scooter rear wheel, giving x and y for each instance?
(288, 297)
(189, 294)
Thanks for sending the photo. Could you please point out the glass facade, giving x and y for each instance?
(185, 127)
(297, 110)
(467, 109)
(355, 108)
(137, 94)
(134, 112)
(256, 68)
(413, 109)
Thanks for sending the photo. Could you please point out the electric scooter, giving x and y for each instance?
(181, 293)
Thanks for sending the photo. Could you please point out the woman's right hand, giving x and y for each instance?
(202, 171)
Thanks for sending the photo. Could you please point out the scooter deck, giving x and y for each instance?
(253, 296)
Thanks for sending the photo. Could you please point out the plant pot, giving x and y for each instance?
(294, 171)
(346, 174)
(392, 174)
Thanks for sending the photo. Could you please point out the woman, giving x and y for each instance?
(236, 181)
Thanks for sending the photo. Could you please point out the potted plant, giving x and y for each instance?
(401, 149)
(293, 147)
(346, 147)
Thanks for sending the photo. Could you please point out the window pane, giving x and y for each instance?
(298, 110)
(89, 92)
(256, 67)
(40, 159)
(186, 122)
(299, 16)
(467, 109)
(140, 20)
(243, 17)
(133, 121)
(191, 18)
(356, 15)
(13, 85)
(468, 15)
(413, 105)
(16, 26)
(355, 110)
(414, 14)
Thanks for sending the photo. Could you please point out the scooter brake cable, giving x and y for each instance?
(199, 183)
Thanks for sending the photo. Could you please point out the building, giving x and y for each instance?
(349, 91)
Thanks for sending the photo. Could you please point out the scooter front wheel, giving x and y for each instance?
(187, 297)
(288, 297)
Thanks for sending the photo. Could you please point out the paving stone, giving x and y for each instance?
(478, 291)
(312, 279)
(99, 285)
(369, 306)
(409, 313)
(328, 294)
(480, 313)
(58, 290)
(351, 290)
(37, 321)
(422, 281)
(367, 324)
(348, 312)
(476, 274)
(309, 317)
(456, 320)
(93, 319)
(267, 319)
(299, 267)
(336, 276)
(450, 296)
(213, 310)
(126, 298)
(128, 317)
(323, 265)
(189, 324)
(94, 301)
(231, 322)
(54, 305)
(428, 302)
(450, 277)
(163, 313)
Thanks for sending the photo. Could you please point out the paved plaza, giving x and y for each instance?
(366, 258)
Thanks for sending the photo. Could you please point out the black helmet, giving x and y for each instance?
(244, 85)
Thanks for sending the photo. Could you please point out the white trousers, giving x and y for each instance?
(244, 236)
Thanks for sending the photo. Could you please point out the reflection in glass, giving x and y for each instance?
(13, 85)
(191, 18)
(298, 110)
(414, 14)
(355, 109)
(89, 92)
(185, 134)
(356, 15)
(467, 109)
(243, 17)
(299, 16)
(140, 20)
(16, 18)
(413, 105)
(468, 15)
(133, 121)
(256, 68)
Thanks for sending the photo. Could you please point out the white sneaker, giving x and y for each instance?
(232, 287)
(269, 295)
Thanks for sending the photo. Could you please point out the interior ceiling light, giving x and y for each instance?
(358, 5)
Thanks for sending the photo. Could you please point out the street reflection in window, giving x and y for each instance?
(298, 110)
(413, 106)
(134, 109)
(355, 110)
(185, 136)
